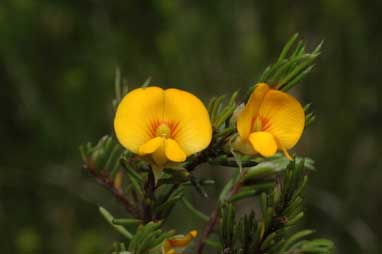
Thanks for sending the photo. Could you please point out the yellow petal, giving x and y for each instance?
(263, 143)
(179, 242)
(245, 119)
(173, 151)
(193, 127)
(150, 146)
(183, 241)
(167, 248)
(285, 151)
(135, 114)
(285, 118)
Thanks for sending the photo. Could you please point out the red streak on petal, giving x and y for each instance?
(261, 123)
(174, 127)
(265, 123)
(153, 126)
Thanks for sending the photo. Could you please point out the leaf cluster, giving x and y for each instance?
(148, 238)
(292, 66)
(272, 230)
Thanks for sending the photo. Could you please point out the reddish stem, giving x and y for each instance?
(214, 218)
(106, 182)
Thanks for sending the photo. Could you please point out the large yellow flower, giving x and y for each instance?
(271, 120)
(168, 125)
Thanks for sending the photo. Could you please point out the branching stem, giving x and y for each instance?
(149, 197)
(214, 218)
(106, 182)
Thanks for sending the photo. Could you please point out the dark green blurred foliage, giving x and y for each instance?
(57, 62)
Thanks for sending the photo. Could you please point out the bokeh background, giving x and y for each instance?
(57, 63)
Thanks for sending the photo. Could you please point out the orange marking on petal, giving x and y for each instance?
(175, 130)
(265, 123)
(155, 124)
(261, 123)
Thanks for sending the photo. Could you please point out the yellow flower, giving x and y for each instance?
(167, 125)
(271, 120)
(178, 243)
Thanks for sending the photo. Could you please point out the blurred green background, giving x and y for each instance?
(57, 63)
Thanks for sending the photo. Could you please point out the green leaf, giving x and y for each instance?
(287, 47)
(250, 191)
(291, 66)
(148, 238)
(194, 211)
(109, 218)
(117, 85)
(146, 83)
(294, 238)
(125, 222)
(273, 166)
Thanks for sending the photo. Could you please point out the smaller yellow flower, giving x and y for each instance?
(165, 125)
(271, 120)
(178, 243)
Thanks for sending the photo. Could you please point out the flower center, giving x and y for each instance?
(261, 124)
(163, 131)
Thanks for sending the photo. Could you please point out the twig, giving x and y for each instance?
(208, 153)
(214, 218)
(149, 197)
(199, 159)
(207, 230)
(106, 182)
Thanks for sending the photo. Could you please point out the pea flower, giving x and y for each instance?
(178, 243)
(163, 125)
(271, 120)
